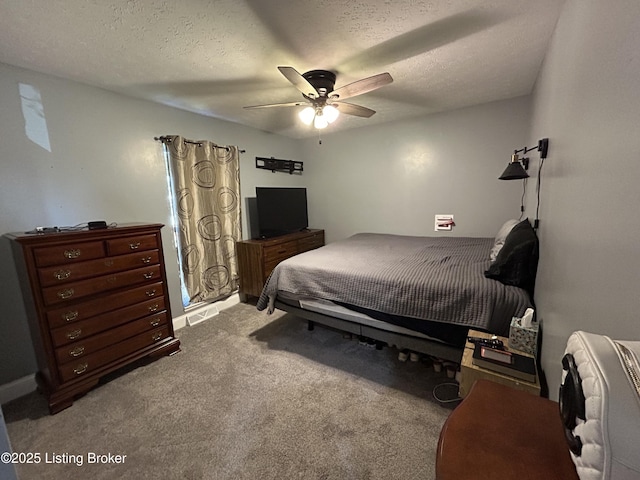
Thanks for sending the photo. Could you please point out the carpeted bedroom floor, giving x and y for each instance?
(250, 396)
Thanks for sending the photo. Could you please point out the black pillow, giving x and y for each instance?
(517, 261)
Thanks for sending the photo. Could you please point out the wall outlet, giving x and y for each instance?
(444, 223)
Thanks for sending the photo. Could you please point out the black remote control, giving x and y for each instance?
(487, 342)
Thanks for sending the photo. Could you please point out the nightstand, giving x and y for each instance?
(469, 372)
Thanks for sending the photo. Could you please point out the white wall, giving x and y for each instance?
(103, 165)
(587, 101)
(393, 178)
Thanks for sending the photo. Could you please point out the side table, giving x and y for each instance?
(469, 372)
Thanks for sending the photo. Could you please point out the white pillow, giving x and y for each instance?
(500, 237)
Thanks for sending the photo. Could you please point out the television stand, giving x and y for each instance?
(257, 258)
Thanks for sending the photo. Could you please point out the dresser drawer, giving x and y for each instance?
(277, 253)
(68, 253)
(68, 273)
(82, 367)
(309, 243)
(71, 314)
(72, 291)
(268, 268)
(94, 343)
(85, 328)
(120, 246)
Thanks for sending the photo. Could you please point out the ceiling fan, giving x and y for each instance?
(324, 104)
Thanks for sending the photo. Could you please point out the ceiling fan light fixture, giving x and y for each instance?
(307, 115)
(320, 121)
(331, 113)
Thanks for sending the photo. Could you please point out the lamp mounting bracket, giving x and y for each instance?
(542, 147)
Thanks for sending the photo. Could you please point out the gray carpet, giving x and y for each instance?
(250, 396)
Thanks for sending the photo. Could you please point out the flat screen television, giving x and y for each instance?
(281, 210)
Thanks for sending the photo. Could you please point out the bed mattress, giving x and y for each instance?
(435, 279)
(600, 406)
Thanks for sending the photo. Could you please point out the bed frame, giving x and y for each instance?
(401, 341)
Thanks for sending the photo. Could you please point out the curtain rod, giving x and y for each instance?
(168, 140)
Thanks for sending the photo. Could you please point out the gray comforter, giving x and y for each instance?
(430, 278)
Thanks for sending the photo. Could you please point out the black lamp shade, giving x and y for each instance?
(514, 171)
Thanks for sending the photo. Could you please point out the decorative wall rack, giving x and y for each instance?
(277, 165)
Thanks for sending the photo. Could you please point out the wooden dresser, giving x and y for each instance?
(257, 258)
(96, 300)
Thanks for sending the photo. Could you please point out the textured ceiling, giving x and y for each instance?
(214, 57)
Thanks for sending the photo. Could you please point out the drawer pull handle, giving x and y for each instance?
(156, 336)
(76, 352)
(146, 260)
(148, 275)
(81, 368)
(154, 308)
(70, 316)
(282, 251)
(62, 274)
(71, 254)
(151, 293)
(64, 294)
(155, 322)
(134, 246)
(73, 334)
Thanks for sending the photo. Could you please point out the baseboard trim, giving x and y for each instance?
(16, 389)
(205, 312)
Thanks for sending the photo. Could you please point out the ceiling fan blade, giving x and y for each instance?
(290, 104)
(351, 109)
(362, 86)
(299, 82)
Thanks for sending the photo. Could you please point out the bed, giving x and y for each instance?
(417, 293)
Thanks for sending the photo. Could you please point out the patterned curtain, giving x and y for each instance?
(206, 188)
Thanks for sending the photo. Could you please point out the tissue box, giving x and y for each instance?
(522, 338)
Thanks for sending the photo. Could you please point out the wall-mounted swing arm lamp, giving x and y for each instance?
(516, 170)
